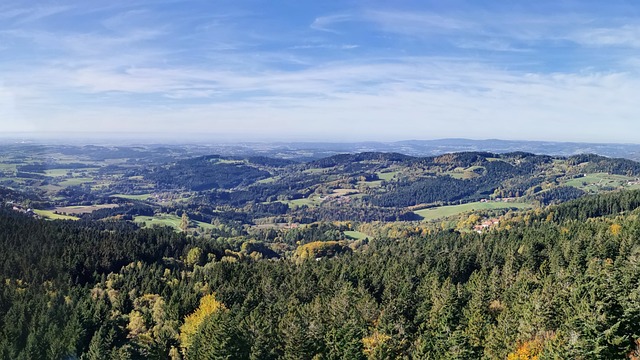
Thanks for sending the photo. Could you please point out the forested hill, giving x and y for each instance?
(345, 159)
(392, 180)
(361, 187)
(207, 172)
(555, 283)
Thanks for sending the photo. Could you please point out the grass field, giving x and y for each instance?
(203, 225)
(596, 181)
(387, 176)
(462, 173)
(268, 180)
(63, 172)
(50, 215)
(228, 161)
(57, 172)
(310, 201)
(7, 167)
(356, 235)
(161, 220)
(313, 171)
(445, 211)
(313, 200)
(132, 197)
(454, 174)
(14, 179)
(168, 220)
(75, 181)
(345, 192)
(84, 209)
(372, 184)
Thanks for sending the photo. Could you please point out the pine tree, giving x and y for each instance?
(219, 338)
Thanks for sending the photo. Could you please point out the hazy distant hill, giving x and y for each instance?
(443, 146)
(307, 151)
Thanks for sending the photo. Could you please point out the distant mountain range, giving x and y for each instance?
(305, 151)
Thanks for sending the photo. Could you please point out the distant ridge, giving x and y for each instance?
(443, 146)
(307, 151)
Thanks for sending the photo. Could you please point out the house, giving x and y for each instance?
(486, 225)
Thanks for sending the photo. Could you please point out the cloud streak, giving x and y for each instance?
(326, 23)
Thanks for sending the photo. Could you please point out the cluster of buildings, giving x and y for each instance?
(486, 225)
(20, 208)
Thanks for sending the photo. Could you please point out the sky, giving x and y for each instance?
(323, 70)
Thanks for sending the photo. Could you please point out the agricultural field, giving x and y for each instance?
(160, 220)
(356, 235)
(387, 176)
(344, 192)
(313, 200)
(57, 172)
(65, 172)
(133, 197)
(371, 184)
(169, 220)
(602, 181)
(75, 181)
(84, 209)
(465, 173)
(314, 171)
(446, 211)
(51, 188)
(310, 201)
(269, 180)
(49, 214)
(8, 167)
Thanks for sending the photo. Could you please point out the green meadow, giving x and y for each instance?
(49, 214)
(450, 210)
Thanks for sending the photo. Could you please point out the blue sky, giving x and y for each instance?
(323, 70)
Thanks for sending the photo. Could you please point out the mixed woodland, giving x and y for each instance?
(557, 283)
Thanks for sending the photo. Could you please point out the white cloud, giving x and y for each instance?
(414, 98)
(623, 36)
(22, 15)
(416, 23)
(489, 44)
(325, 23)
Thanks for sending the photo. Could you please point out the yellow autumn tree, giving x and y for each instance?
(374, 346)
(615, 229)
(208, 306)
(468, 222)
(136, 324)
(184, 222)
(528, 350)
(194, 256)
(550, 216)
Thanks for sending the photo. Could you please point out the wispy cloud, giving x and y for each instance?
(489, 44)
(492, 104)
(326, 23)
(416, 23)
(325, 46)
(623, 36)
(22, 15)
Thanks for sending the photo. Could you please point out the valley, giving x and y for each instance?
(156, 185)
